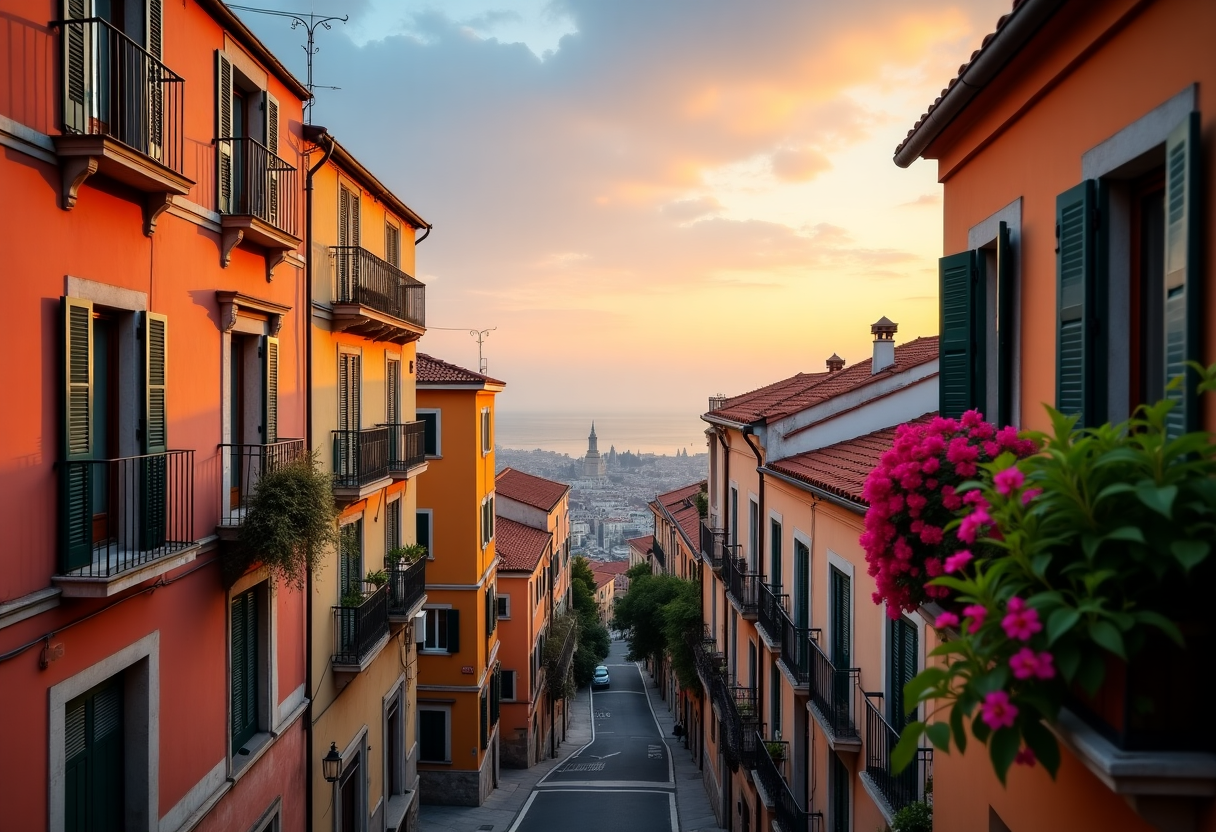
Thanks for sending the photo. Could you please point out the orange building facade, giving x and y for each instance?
(1078, 175)
(157, 284)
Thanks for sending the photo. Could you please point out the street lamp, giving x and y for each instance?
(331, 764)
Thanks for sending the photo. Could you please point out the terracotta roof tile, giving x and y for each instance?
(537, 492)
(519, 547)
(643, 544)
(841, 469)
(610, 567)
(682, 506)
(435, 371)
(808, 389)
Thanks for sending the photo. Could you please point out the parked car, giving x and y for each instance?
(600, 679)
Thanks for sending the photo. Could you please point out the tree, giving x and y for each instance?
(659, 613)
(593, 639)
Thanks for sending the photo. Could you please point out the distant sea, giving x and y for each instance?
(648, 433)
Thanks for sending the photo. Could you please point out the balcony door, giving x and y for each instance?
(348, 241)
(346, 462)
(802, 585)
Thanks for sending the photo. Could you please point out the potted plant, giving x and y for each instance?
(352, 597)
(404, 555)
(378, 578)
(775, 749)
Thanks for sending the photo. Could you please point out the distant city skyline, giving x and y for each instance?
(657, 433)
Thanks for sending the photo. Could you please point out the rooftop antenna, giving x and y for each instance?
(480, 334)
(310, 22)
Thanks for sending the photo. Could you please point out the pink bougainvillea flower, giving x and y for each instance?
(1025, 757)
(1008, 481)
(934, 567)
(1021, 621)
(1024, 663)
(998, 711)
(931, 534)
(958, 560)
(972, 419)
(976, 613)
(946, 619)
(1029, 494)
(972, 524)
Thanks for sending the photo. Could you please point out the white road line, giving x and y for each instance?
(671, 763)
(606, 784)
(527, 805)
(585, 746)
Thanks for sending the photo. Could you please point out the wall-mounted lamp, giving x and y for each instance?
(331, 764)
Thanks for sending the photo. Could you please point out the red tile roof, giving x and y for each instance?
(610, 567)
(519, 547)
(681, 504)
(841, 469)
(435, 371)
(537, 492)
(643, 544)
(808, 389)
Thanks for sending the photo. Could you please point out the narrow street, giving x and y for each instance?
(623, 779)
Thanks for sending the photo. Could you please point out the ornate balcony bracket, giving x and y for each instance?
(83, 156)
(75, 170)
(154, 205)
(235, 304)
(231, 239)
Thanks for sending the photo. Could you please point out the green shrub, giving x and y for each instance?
(915, 817)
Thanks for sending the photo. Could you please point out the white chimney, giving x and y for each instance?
(884, 344)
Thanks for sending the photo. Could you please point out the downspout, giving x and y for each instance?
(426, 234)
(321, 137)
(748, 433)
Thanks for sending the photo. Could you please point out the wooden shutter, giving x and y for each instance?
(903, 651)
(485, 720)
(802, 579)
(957, 279)
(223, 130)
(774, 571)
(841, 635)
(93, 761)
(77, 480)
(155, 42)
(154, 479)
(244, 668)
(1005, 284)
(77, 67)
(392, 526)
(272, 175)
(393, 388)
(422, 530)
(1076, 316)
(1183, 236)
(270, 390)
(155, 36)
(453, 631)
(392, 244)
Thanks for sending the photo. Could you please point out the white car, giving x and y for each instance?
(600, 679)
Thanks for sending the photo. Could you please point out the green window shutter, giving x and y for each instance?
(244, 668)
(154, 475)
(76, 479)
(77, 70)
(422, 530)
(1183, 279)
(272, 176)
(802, 582)
(93, 760)
(1005, 324)
(774, 572)
(903, 650)
(957, 280)
(270, 391)
(485, 720)
(1076, 317)
(392, 388)
(392, 527)
(223, 130)
(841, 635)
(453, 631)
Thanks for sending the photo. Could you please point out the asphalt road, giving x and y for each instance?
(623, 779)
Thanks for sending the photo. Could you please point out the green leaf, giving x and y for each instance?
(1112, 490)
(991, 681)
(1068, 659)
(980, 729)
(1108, 636)
(948, 648)
(1159, 498)
(1043, 743)
(1162, 623)
(959, 730)
(922, 682)
(1039, 564)
(1089, 545)
(1091, 671)
(1002, 749)
(904, 751)
(939, 734)
(1190, 553)
(1060, 622)
(1125, 533)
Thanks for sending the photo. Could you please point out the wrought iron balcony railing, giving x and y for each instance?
(357, 630)
(901, 789)
(796, 648)
(255, 182)
(835, 693)
(243, 467)
(770, 609)
(713, 546)
(362, 278)
(710, 662)
(740, 720)
(790, 814)
(406, 445)
(360, 456)
(743, 586)
(113, 87)
(119, 514)
(406, 586)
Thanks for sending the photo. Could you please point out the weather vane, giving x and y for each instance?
(480, 334)
(310, 22)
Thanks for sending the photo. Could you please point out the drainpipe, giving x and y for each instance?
(748, 432)
(321, 137)
(426, 234)
(722, 440)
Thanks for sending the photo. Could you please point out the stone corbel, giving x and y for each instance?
(235, 304)
(231, 239)
(276, 323)
(274, 258)
(154, 205)
(228, 313)
(74, 170)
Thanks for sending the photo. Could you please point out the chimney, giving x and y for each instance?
(835, 363)
(884, 344)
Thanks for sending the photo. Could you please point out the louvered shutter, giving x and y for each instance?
(1005, 323)
(76, 480)
(392, 244)
(154, 484)
(1075, 313)
(392, 527)
(903, 649)
(1183, 251)
(453, 631)
(802, 582)
(155, 42)
(273, 163)
(223, 131)
(244, 667)
(270, 390)
(346, 256)
(393, 406)
(77, 68)
(957, 281)
(841, 635)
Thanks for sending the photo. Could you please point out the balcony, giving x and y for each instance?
(790, 815)
(710, 662)
(890, 791)
(360, 462)
(121, 117)
(243, 467)
(375, 299)
(740, 715)
(742, 586)
(770, 611)
(124, 521)
(361, 632)
(406, 589)
(406, 449)
(835, 699)
(713, 546)
(796, 653)
(258, 200)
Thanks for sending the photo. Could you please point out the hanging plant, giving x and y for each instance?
(290, 523)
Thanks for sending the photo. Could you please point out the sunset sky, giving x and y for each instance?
(652, 200)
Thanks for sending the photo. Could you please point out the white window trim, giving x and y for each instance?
(447, 710)
(438, 428)
(486, 428)
(434, 651)
(504, 597)
(983, 237)
(397, 693)
(846, 567)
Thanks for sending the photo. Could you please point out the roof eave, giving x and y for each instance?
(250, 41)
(345, 160)
(855, 506)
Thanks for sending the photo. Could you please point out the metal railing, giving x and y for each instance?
(359, 629)
(118, 514)
(791, 815)
(899, 789)
(796, 648)
(114, 87)
(770, 609)
(710, 662)
(253, 181)
(363, 278)
(243, 467)
(742, 585)
(740, 720)
(833, 691)
(360, 456)
(406, 445)
(406, 585)
(713, 546)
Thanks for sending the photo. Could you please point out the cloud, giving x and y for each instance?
(694, 208)
(924, 200)
(799, 165)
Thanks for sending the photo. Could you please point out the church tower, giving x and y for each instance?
(593, 463)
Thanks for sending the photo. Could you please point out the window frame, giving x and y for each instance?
(422, 412)
(985, 238)
(504, 607)
(487, 431)
(429, 543)
(446, 710)
(514, 685)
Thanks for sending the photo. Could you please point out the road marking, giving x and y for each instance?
(654, 752)
(671, 763)
(604, 715)
(584, 767)
(606, 756)
(671, 802)
(610, 785)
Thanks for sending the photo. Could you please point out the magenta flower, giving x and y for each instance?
(1021, 622)
(1044, 668)
(1024, 663)
(998, 711)
(946, 619)
(1029, 494)
(1025, 757)
(958, 560)
(972, 524)
(931, 534)
(976, 613)
(1008, 481)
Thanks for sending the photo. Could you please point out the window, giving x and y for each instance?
(842, 601)
(346, 442)
(442, 631)
(753, 536)
(352, 795)
(508, 685)
(245, 621)
(802, 585)
(774, 708)
(247, 121)
(350, 560)
(839, 795)
(431, 443)
(504, 606)
(485, 719)
(774, 567)
(93, 758)
(392, 244)
(487, 520)
(491, 611)
(253, 412)
(394, 745)
(434, 740)
(487, 439)
(392, 526)
(903, 658)
(423, 522)
(734, 517)
(392, 391)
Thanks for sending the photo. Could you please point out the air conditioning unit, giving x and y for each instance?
(420, 627)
